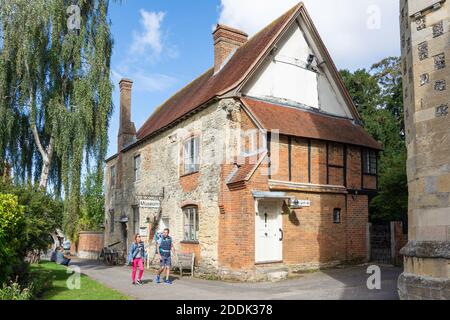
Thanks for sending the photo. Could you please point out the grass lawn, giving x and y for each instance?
(90, 289)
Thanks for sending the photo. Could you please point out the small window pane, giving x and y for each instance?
(191, 224)
(337, 215)
(191, 155)
(137, 168)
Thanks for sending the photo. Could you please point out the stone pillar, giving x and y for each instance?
(425, 28)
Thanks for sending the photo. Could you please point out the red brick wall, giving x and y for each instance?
(189, 182)
(357, 218)
(91, 242)
(310, 236)
(300, 164)
(354, 168)
(401, 239)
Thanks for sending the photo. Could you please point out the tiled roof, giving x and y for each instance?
(210, 85)
(308, 124)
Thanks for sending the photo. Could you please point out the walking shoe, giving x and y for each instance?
(158, 279)
(133, 283)
(168, 282)
(139, 282)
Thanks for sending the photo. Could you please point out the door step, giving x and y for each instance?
(272, 273)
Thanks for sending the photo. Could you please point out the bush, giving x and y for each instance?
(14, 292)
(30, 285)
(39, 282)
(12, 225)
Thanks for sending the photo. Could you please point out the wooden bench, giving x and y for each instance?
(186, 261)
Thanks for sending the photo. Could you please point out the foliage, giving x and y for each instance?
(377, 94)
(30, 285)
(55, 94)
(42, 216)
(12, 222)
(14, 292)
(91, 208)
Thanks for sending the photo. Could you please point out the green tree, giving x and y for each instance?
(12, 222)
(55, 93)
(378, 96)
(42, 216)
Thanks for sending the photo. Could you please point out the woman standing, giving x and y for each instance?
(136, 258)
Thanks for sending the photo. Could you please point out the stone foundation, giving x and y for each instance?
(427, 271)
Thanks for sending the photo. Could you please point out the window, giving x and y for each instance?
(191, 155)
(337, 215)
(113, 176)
(370, 162)
(190, 224)
(136, 219)
(137, 168)
(111, 221)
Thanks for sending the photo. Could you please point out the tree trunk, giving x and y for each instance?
(47, 156)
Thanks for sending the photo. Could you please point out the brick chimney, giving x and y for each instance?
(226, 40)
(127, 130)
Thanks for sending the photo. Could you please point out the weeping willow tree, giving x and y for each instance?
(55, 93)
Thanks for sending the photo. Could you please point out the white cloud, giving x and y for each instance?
(357, 33)
(143, 82)
(151, 34)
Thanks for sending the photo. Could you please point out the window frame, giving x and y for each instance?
(370, 162)
(339, 212)
(190, 213)
(112, 176)
(137, 167)
(191, 161)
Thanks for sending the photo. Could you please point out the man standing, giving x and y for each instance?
(164, 249)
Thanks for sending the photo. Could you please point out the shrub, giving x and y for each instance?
(39, 282)
(12, 224)
(14, 292)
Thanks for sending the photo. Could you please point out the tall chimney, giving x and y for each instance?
(127, 130)
(226, 40)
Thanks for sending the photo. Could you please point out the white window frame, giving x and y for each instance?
(190, 223)
(191, 155)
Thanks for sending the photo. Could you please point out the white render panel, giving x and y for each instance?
(284, 76)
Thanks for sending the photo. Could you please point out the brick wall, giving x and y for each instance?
(90, 244)
(357, 218)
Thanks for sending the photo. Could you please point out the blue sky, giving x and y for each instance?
(164, 44)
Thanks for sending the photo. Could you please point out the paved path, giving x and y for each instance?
(343, 284)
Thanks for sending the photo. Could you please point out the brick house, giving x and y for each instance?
(261, 161)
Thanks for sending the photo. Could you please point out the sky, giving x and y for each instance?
(162, 45)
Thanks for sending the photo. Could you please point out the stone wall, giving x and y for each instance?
(161, 174)
(425, 35)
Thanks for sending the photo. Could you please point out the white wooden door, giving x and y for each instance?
(268, 232)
